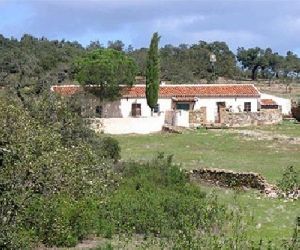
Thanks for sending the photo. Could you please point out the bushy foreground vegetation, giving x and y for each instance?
(49, 163)
(61, 183)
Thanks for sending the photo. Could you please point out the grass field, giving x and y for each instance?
(272, 218)
(207, 148)
(287, 128)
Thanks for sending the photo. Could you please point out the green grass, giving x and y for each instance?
(206, 148)
(273, 218)
(287, 128)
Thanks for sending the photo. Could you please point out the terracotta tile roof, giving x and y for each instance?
(66, 90)
(216, 90)
(267, 102)
(229, 90)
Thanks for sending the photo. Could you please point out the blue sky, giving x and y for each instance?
(247, 23)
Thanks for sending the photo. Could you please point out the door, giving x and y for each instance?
(136, 109)
(218, 116)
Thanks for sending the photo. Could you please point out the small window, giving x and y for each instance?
(98, 111)
(156, 108)
(183, 106)
(247, 106)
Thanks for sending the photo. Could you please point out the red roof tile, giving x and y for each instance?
(66, 90)
(267, 102)
(229, 90)
(240, 90)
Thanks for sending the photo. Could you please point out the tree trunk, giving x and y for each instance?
(253, 75)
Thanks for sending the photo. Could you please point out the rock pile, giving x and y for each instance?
(227, 178)
(231, 179)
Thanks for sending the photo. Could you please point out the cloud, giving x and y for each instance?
(265, 23)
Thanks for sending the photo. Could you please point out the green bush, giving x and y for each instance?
(60, 220)
(38, 169)
(156, 198)
(110, 148)
(290, 180)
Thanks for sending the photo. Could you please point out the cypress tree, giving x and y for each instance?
(152, 73)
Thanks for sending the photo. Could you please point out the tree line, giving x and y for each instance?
(36, 63)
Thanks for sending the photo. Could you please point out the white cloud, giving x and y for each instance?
(175, 23)
(273, 23)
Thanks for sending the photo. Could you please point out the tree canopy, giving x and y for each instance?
(33, 64)
(106, 68)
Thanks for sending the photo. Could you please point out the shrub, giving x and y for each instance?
(106, 147)
(156, 198)
(47, 186)
(111, 148)
(60, 220)
(290, 180)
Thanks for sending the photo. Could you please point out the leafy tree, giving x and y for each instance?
(190, 63)
(225, 65)
(253, 59)
(275, 62)
(291, 63)
(117, 45)
(94, 45)
(140, 58)
(107, 69)
(152, 72)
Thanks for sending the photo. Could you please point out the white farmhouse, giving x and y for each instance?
(181, 101)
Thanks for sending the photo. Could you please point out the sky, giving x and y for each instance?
(239, 23)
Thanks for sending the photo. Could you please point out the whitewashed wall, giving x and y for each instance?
(285, 103)
(130, 125)
(236, 103)
(182, 118)
(122, 108)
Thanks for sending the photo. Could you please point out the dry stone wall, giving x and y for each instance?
(231, 179)
(242, 119)
(197, 117)
(228, 178)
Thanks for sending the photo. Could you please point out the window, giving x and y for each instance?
(98, 111)
(156, 108)
(183, 106)
(136, 109)
(247, 106)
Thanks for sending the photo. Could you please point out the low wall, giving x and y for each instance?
(129, 125)
(178, 118)
(170, 117)
(227, 178)
(197, 117)
(263, 117)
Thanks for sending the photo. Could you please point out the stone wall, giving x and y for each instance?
(197, 117)
(228, 178)
(170, 117)
(263, 117)
(231, 179)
